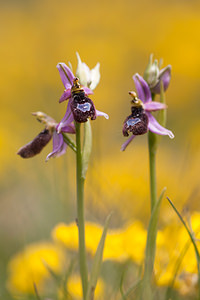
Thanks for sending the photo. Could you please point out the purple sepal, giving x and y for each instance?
(165, 77)
(142, 88)
(66, 95)
(69, 128)
(153, 106)
(59, 146)
(66, 75)
(123, 147)
(155, 127)
(67, 119)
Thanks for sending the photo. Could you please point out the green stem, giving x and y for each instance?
(151, 237)
(152, 167)
(80, 212)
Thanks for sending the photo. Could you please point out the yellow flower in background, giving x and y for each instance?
(30, 267)
(66, 235)
(114, 246)
(120, 244)
(135, 241)
(75, 289)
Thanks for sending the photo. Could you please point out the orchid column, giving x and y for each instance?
(80, 108)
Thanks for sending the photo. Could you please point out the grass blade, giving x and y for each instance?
(192, 240)
(150, 250)
(97, 262)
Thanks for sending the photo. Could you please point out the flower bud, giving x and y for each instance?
(154, 76)
(164, 77)
(152, 71)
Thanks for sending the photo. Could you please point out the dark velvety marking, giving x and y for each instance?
(82, 108)
(35, 146)
(137, 122)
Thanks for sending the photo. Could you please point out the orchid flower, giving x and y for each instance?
(42, 139)
(79, 107)
(141, 120)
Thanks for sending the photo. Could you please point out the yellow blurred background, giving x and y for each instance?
(35, 36)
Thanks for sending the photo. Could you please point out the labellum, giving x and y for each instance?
(137, 122)
(82, 107)
(36, 145)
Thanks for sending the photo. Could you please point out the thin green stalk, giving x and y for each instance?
(80, 212)
(152, 167)
(152, 142)
(152, 230)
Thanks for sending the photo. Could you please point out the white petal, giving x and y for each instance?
(83, 72)
(95, 76)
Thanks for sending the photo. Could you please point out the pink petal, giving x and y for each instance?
(87, 90)
(142, 88)
(153, 106)
(123, 147)
(66, 75)
(100, 113)
(155, 127)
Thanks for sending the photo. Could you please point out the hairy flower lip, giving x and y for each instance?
(82, 108)
(144, 94)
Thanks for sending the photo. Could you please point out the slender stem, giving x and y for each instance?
(152, 141)
(151, 237)
(80, 212)
(152, 167)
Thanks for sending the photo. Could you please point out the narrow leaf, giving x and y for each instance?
(87, 147)
(176, 269)
(36, 291)
(96, 267)
(151, 235)
(192, 240)
(151, 248)
(131, 289)
(121, 287)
